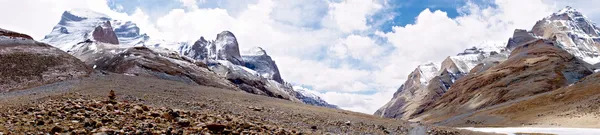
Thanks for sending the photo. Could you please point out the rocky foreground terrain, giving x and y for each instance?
(154, 106)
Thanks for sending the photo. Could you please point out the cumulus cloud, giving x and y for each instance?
(351, 15)
(358, 47)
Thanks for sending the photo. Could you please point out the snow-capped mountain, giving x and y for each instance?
(574, 32)
(78, 25)
(225, 47)
(310, 97)
(257, 59)
(95, 38)
(254, 71)
(428, 82)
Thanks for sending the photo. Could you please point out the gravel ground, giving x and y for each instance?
(152, 106)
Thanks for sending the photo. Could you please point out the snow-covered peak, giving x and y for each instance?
(84, 13)
(77, 26)
(427, 72)
(227, 48)
(254, 51)
(310, 97)
(573, 32)
(567, 10)
(306, 92)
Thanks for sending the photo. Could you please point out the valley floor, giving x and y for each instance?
(166, 106)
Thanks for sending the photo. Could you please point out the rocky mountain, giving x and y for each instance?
(257, 59)
(253, 72)
(531, 69)
(573, 31)
(79, 25)
(118, 46)
(26, 63)
(428, 82)
(560, 50)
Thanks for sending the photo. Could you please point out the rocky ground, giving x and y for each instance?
(153, 106)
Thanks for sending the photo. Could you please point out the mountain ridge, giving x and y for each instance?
(88, 35)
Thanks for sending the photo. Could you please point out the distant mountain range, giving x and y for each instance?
(110, 45)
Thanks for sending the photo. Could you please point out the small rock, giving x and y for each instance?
(56, 129)
(138, 109)
(348, 123)
(112, 95)
(215, 127)
(40, 122)
(313, 127)
(183, 122)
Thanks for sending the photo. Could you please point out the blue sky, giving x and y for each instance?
(352, 53)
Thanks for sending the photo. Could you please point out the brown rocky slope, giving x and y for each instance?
(26, 63)
(531, 69)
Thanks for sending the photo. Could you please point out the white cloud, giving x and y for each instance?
(299, 13)
(351, 15)
(357, 47)
(435, 36)
(322, 76)
(179, 25)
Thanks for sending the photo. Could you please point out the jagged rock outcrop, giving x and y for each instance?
(531, 69)
(26, 63)
(225, 47)
(258, 60)
(198, 50)
(520, 37)
(104, 33)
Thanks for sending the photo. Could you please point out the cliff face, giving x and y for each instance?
(104, 33)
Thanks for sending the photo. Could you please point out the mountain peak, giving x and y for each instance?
(567, 9)
(226, 33)
(427, 71)
(567, 13)
(255, 51)
(227, 48)
(104, 33)
(85, 13)
(76, 15)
